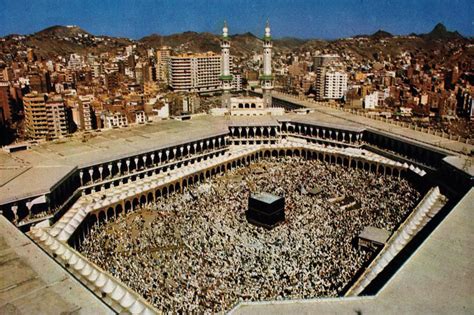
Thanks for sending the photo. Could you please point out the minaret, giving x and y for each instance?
(266, 78)
(225, 77)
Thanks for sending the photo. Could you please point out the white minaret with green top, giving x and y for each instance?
(226, 77)
(266, 78)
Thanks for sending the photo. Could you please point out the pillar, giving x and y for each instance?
(136, 162)
(91, 173)
(81, 175)
(119, 166)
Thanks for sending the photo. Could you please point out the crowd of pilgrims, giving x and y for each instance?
(196, 252)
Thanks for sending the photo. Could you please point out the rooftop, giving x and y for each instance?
(44, 165)
(32, 283)
(403, 132)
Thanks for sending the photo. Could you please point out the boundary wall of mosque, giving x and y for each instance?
(112, 171)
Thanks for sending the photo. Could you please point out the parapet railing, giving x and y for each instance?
(120, 297)
(427, 208)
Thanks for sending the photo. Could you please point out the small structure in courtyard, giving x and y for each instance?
(266, 210)
(373, 238)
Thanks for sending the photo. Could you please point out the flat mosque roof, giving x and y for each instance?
(266, 197)
(374, 234)
(31, 282)
(33, 172)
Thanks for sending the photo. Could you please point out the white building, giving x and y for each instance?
(246, 102)
(371, 100)
(330, 83)
(114, 120)
(75, 62)
(236, 82)
(247, 106)
(335, 85)
(195, 73)
(163, 112)
(140, 117)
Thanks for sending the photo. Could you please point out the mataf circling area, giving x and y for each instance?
(196, 251)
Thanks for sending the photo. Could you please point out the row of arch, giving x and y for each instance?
(322, 132)
(401, 147)
(201, 176)
(255, 131)
(152, 171)
(150, 159)
(247, 105)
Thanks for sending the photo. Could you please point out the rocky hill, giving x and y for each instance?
(440, 32)
(64, 40)
(61, 40)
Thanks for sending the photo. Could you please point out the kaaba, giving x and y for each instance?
(266, 210)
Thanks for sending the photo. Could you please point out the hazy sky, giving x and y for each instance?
(305, 19)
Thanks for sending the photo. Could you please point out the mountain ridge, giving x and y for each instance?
(61, 40)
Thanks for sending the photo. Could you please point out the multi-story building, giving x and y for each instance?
(37, 82)
(324, 60)
(5, 103)
(86, 112)
(371, 100)
(115, 120)
(195, 73)
(162, 60)
(45, 116)
(57, 117)
(236, 83)
(330, 83)
(112, 80)
(140, 117)
(75, 61)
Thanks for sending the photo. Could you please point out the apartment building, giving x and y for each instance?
(195, 73)
(330, 83)
(45, 116)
